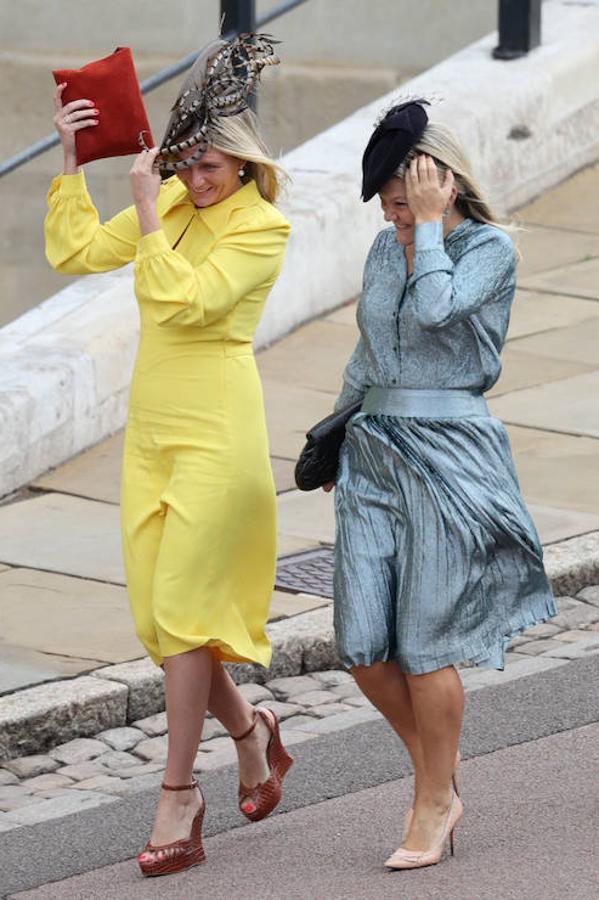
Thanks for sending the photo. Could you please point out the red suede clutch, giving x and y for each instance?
(112, 84)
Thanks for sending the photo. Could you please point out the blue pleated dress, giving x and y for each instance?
(437, 559)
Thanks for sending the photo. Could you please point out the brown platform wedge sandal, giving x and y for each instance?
(181, 854)
(263, 798)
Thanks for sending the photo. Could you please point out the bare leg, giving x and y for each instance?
(228, 705)
(386, 687)
(187, 687)
(438, 705)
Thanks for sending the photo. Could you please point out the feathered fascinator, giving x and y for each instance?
(219, 83)
(394, 136)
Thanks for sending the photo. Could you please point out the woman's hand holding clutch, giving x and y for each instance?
(69, 119)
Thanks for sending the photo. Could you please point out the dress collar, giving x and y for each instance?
(217, 215)
(462, 226)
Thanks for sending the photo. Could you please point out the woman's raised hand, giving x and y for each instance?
(428, 196)
(144, 176)
(69, 119)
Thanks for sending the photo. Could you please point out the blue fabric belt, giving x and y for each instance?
(425, 404)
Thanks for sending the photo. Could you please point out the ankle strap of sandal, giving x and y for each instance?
(180, 787)
(249, 730)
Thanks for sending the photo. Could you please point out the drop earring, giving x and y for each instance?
(241, 173)
(445, 212)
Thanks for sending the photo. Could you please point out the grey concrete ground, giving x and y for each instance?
(528, 781)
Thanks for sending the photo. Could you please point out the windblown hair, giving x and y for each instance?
(439, 142)
(240, 136)
(212, 110)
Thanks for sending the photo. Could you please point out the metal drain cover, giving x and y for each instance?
(310, 572)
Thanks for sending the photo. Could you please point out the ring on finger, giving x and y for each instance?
(67, 119)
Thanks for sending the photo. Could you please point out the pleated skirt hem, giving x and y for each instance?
(488, 653)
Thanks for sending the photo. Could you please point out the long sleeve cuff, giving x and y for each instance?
(152, 244)
(429, 250)
(428, 236)
(69, 185)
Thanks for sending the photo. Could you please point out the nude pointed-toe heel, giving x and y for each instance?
(456, 786)
(416, 859)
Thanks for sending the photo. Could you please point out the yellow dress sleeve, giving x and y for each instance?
(76, 242)
(179, 293)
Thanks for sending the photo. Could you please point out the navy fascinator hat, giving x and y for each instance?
(392, 139)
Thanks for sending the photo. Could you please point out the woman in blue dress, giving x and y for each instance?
(437, 559)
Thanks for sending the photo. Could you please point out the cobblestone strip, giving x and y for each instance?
(89, 771)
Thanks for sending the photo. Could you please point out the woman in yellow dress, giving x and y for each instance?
(198, 499)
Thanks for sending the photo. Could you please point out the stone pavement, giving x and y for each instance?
(86, 771)
(63, 608)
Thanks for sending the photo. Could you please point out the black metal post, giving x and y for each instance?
(519, 28)
(238, 15)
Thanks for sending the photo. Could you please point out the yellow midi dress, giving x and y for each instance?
(198, 501)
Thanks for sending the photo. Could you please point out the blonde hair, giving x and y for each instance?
(239, 136)
(439, 142)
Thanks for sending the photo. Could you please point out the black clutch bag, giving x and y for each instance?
(319, 460)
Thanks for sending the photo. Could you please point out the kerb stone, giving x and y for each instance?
(572, 564)
(319, 650)
(303, 643)
(49, 714)
(145, 684)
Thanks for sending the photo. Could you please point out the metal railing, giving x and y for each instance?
(519, 28)
(519, 32)
(237, 16)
